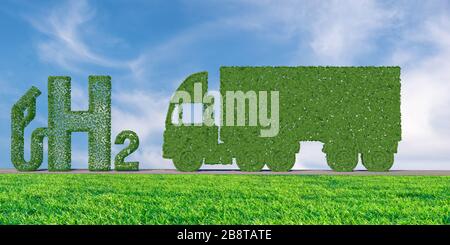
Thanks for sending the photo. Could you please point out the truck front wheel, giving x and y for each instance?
(342, 161)
(187, 162)
(377, 161)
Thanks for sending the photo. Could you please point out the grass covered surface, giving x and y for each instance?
(222, 199)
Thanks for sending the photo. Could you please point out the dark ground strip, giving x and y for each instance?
(293, 172)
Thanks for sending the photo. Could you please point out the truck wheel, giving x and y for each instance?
(249, 165)
(378, 161)
(282, 164)
(187, 162)
(342, 161)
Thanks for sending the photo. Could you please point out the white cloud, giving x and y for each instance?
(425, 90)
(172, 52)
(79, 158)
(65, 44)
(141, 111)
(334, 32)
(342, 30)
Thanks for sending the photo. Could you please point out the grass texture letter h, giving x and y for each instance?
(62, 121)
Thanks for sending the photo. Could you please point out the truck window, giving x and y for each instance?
(192, 113)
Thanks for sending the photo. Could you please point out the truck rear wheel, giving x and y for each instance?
(342, 161)
(187, 162)
(377, 161)
(282, 163)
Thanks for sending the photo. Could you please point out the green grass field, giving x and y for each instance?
(222, 199)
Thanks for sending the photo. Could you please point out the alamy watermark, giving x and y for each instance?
(237, 105)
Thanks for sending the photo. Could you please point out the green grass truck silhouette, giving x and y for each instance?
(353, 111)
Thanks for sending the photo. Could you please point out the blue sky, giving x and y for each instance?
(149, 47)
